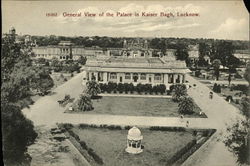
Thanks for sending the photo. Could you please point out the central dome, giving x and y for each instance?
(134, 134)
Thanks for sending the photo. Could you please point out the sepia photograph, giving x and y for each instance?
(125, 83)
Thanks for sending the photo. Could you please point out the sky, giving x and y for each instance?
(216, 19)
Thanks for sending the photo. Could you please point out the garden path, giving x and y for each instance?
(221, 114)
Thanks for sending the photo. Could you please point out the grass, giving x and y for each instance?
(137, 106)
(110, 145)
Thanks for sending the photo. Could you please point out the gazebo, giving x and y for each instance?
(134, 139)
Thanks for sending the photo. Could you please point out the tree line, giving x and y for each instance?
(18, 79)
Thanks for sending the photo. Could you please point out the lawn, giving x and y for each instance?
(137, 106)
(159, 146)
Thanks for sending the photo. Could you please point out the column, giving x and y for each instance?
(175, 76)
(165, 81)
(184, 78)
(147, 78)
(153, 79)
(96, 76)
(89, 75)
(117, 77)
(181, 78)
(105, 77)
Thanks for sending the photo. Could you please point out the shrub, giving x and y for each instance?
(74, 135)
(217, 88)
(186, 105)
(67, 126)
(113, 127)
(181, 152)
(83, 145)
(237, 101)
(139, 88)
(159, 128)
(95, 156)
(179, 91)
(197, 73)
(127, 127)
(93, 88)
(85, 103)
(229, 98)
(120, 87)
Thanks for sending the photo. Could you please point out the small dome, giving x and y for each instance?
(134, 134)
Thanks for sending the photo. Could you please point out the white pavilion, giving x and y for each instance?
(134, 139)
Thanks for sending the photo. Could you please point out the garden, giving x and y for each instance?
(136, 106)
(179, 104)
(233, 93)
(105, 145)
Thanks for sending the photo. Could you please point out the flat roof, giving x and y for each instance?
(136, 63)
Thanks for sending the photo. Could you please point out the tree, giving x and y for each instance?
(85, 103)
(216, 64)
(224, 51)
(180, 90)
(93, 88)
(247, 73)
(238, 140)
(82, 60)
(18, 133)
(42, 81)
(55, 62)
(186, 105)
(181, 52)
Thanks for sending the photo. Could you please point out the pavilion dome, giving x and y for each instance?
(134, 134)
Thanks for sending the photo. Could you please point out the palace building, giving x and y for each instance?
(148, 70)
(66, 50)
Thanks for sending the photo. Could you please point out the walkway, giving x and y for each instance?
(221, 114)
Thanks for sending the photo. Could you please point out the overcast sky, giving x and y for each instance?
(217, 19)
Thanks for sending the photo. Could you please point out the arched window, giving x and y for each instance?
(113, 76)
(157, 77)
(143, 76)
(135, 77)
(127, 76)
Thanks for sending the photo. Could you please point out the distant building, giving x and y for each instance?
(242, 55)
(66, 50)
(136, 49)
(193, 53)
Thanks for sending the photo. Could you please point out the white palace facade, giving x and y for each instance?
(150, 70)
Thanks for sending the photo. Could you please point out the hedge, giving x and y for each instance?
(159, 128)
(126, 87)
(83, 144)
(190, 148)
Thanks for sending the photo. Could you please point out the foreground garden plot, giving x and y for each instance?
(106, 145)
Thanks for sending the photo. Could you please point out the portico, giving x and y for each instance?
(152, 71)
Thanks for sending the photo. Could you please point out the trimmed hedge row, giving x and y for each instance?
(190, 148)
(181, 152)
(129, 87)
(90, 151)
(159, 128)
(111, 127)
